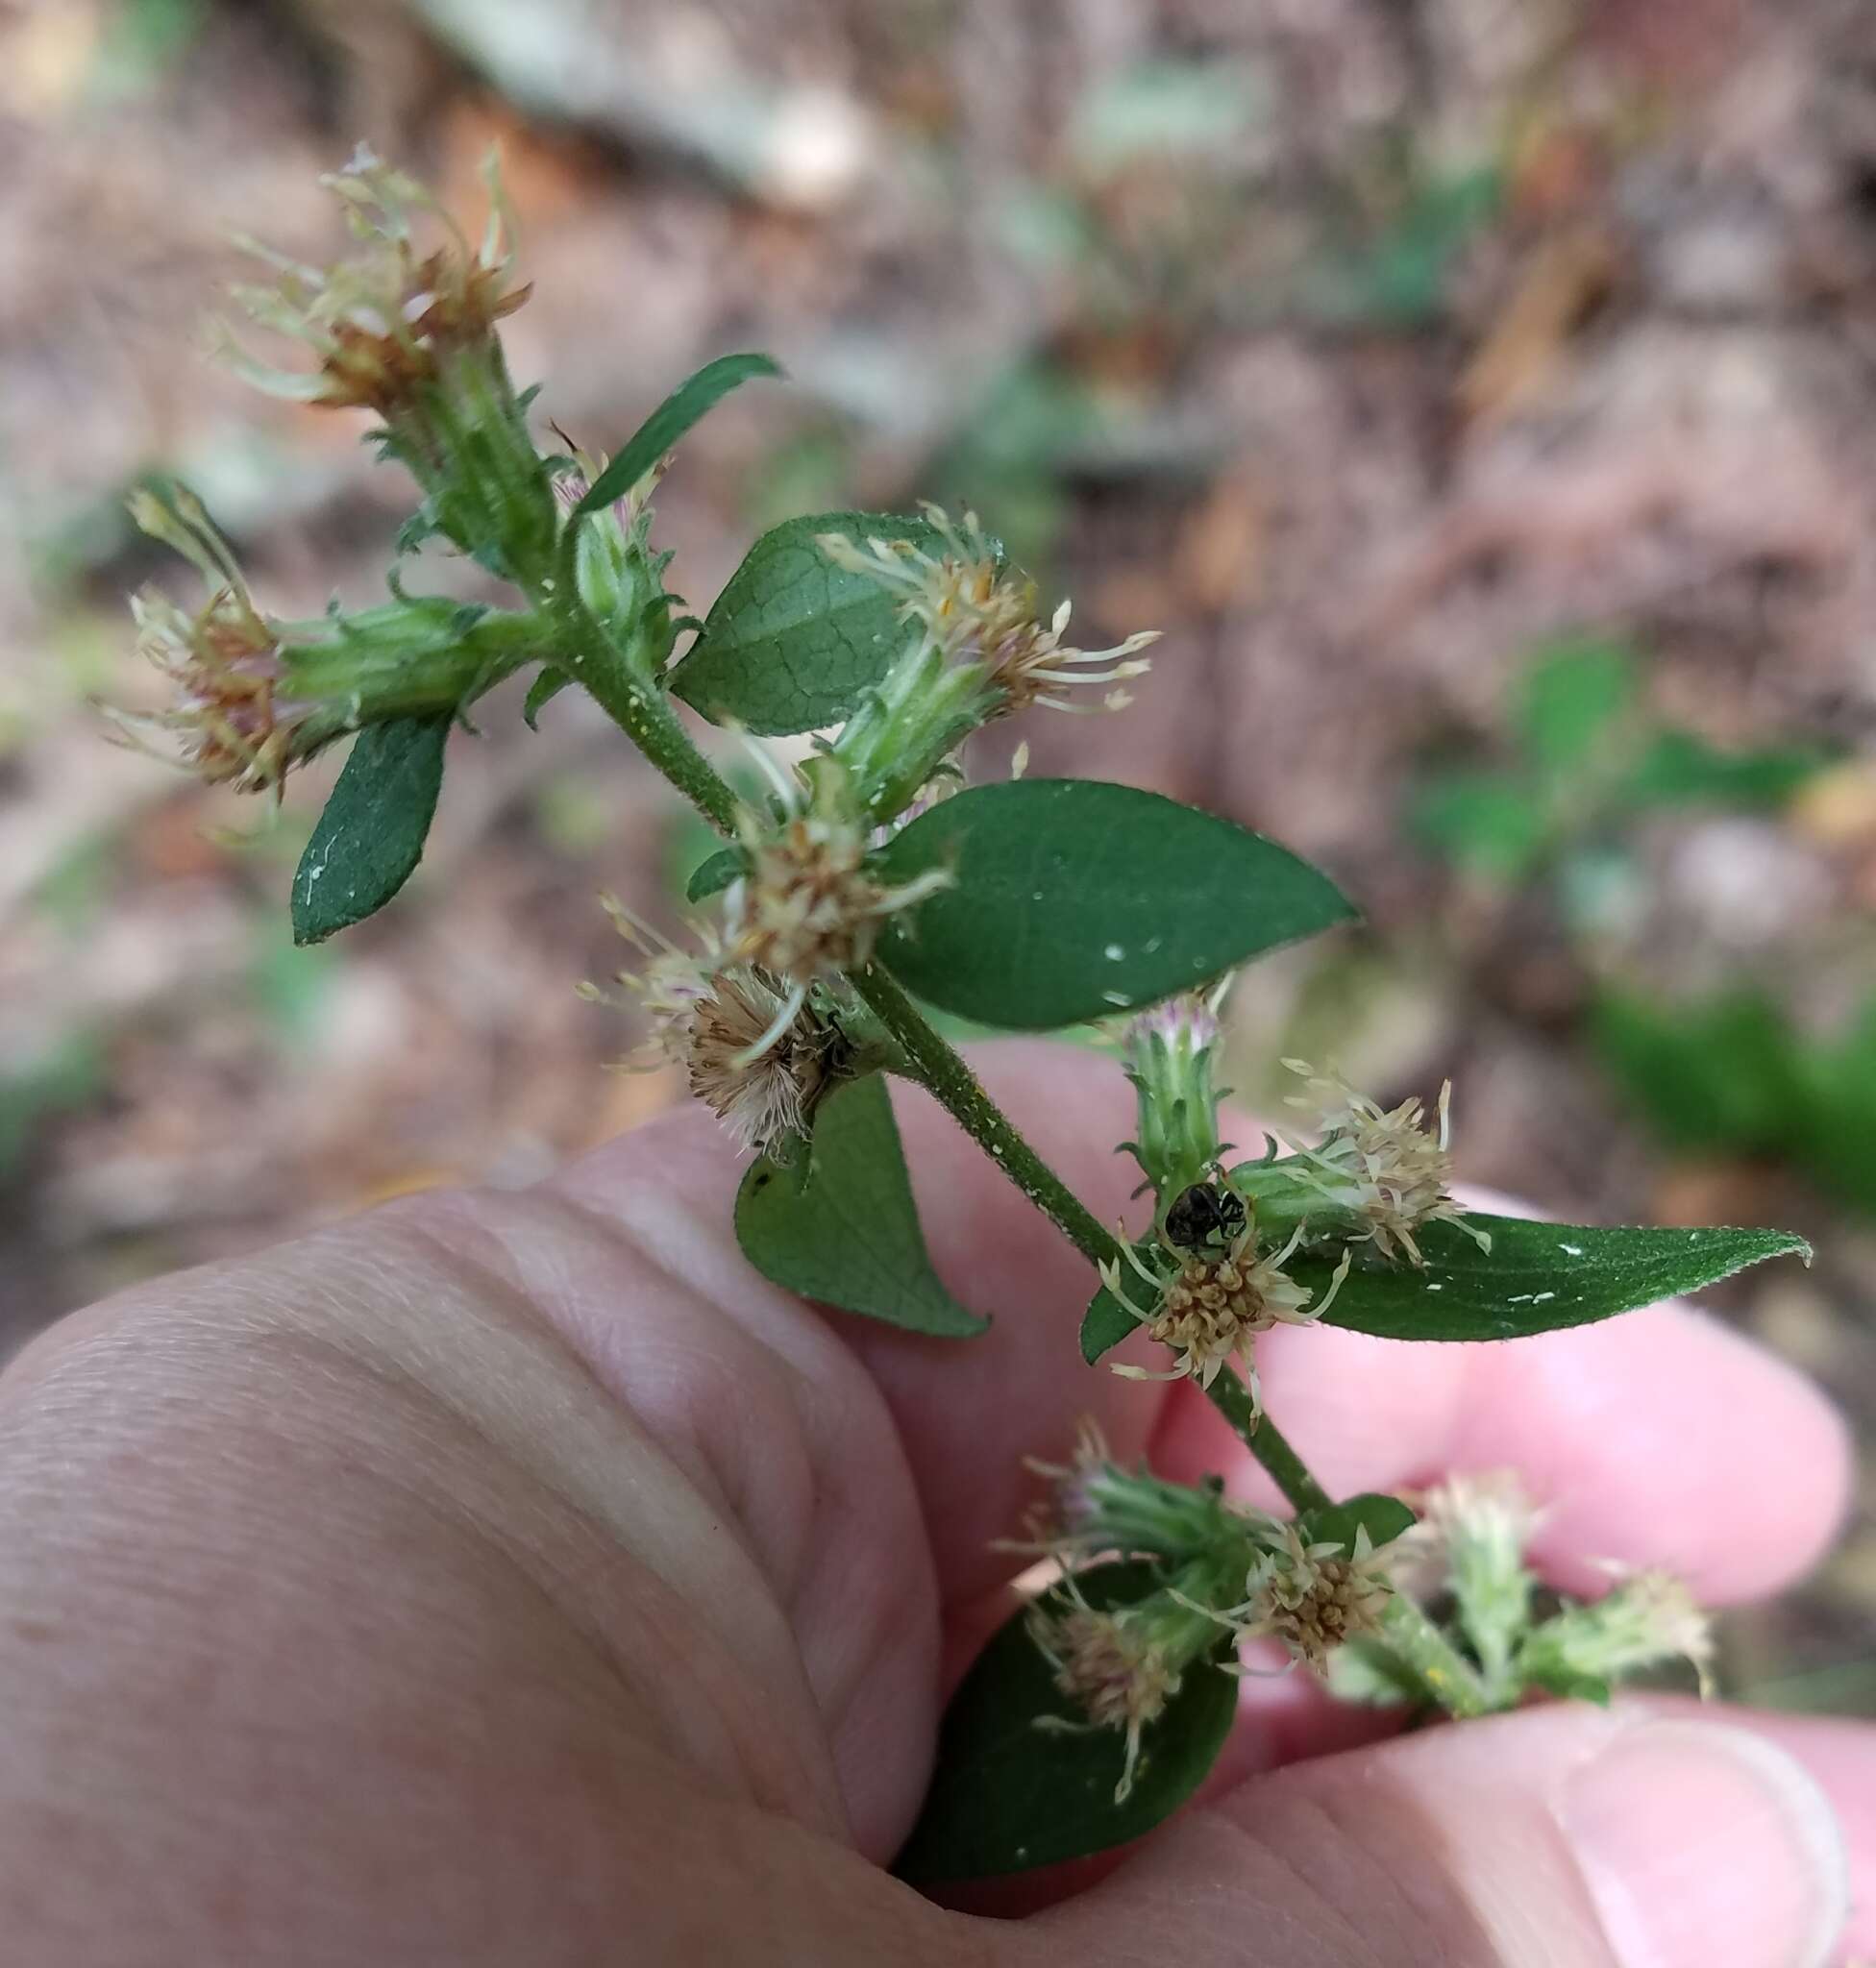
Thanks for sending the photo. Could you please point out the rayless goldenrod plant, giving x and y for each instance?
(863, 888)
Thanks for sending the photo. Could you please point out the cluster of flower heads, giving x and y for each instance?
(1232, 1571)
(970, 605)
(228, 721)
(383, 321)
(1216, 1274)
(1231, 1574)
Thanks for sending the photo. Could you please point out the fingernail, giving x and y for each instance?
(1703, 1846)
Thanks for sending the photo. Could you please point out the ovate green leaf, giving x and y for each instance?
(371, 834)
(1006, 1795)
(794, 642)
(838, 1224)
(1073, 899)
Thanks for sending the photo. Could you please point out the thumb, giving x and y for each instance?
(1559, 1837)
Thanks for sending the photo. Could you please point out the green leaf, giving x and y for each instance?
(371, 834)
(1105, 1325)
(546, 686)
(1006, 1795)
(794, 642)
(1570, 699)
(1715, 1076)
(1682, 770)
(1484, 821)
(669, 422)
(1535, 1278)
(1073, 899)
(1383, 1518)
(712, 876)
(838, 1224)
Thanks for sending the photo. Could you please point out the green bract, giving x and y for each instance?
(669, 422)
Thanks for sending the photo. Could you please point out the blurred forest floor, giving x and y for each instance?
(1481, 396)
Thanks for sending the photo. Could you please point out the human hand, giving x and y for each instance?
(517, 1578)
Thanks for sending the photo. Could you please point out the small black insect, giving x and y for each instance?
(1202, 1215)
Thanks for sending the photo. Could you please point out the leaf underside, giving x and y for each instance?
(793, 642)
(371, 835)
(838, 1224)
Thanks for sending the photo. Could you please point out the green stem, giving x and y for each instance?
(1431, 1661)
(642, 713)
(943, 1072)
(641, 710)
(1262, 1437)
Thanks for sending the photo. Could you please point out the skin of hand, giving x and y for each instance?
(517, 1576)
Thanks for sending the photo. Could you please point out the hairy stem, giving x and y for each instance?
(940, 1069)
(1430, 1662)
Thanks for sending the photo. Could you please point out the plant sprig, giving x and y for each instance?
(866, 887)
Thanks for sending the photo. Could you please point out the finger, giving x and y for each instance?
(1657, 1439)
(1570, 1837)
(1841, 1758)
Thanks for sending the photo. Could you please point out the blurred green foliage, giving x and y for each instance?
(1587, 758)
(1735, 1076)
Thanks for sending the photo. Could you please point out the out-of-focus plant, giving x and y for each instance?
(1586, 761)
(1729, 1074)
(854, 894)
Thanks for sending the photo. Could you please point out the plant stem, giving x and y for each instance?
(940, 1069)
(1262, 1437)
(641, 710)
(1430, 1661)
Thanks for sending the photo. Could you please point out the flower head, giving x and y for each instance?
(1314, 1597)
(1646, 1618)
(382, 322)
(1121, 1666)
(1168, 1051)
(1386, 1166)
(1209, 1309)
(975, 611)
(808, 906)
(759, 1061)
(229, 721)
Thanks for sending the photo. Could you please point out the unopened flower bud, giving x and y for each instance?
(1648, 1618)
(1169, 1053)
